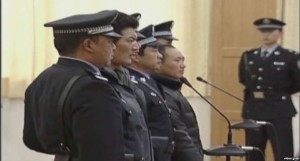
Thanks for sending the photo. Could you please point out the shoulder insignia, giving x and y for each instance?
(252, 51)
(123, 100)
(153, 94)
(277, 53)
(255, 52)
(143, 79)
(293, 52)
(99, 76)
(132, 79)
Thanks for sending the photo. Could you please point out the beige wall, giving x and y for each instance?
(291, 16)
(28, 47)
(291, 39)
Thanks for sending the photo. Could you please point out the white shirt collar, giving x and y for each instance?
(270, 49)
(144, 74)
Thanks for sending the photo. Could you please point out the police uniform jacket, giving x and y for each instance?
(188, 146)
(159, 120)
(92, 113)
(136, 134)
(269, 82)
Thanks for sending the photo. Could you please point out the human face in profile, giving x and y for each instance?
(127, 46)
(173, 64)
(101, 49)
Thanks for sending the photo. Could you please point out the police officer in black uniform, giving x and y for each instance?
(163, 33)
(90, 119)
(145, 62)
(136, 133)
(270, 75)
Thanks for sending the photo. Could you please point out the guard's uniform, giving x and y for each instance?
(136, 134)
(85, 123)
(92, 114)
(158, 116)
(158, 113)
(269, 82)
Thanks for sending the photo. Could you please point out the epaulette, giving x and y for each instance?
(293, 51)
(252, 51)
(99, 76)
(132, 79)
(296, 53)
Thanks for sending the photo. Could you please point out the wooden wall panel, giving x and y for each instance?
(232, 32)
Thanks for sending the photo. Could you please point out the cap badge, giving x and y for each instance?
(143, 79)
(266, 21)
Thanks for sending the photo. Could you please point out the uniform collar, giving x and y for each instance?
(90, 65)
(141, 75)
(270, 49)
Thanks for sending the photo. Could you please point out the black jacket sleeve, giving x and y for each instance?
(185, 149)
(295, 73)
(29, 135)
(97, 123)
(242, 68)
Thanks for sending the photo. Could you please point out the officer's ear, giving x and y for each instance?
(89, 44)
(280, 33)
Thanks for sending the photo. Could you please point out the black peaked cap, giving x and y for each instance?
(149, 39)
(268, 23)
(85, 24)
(138, 16)
(164, 30)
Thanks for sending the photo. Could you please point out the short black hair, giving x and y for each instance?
(162, 51)
(124, 21)
(143, 47)
(66, 46)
